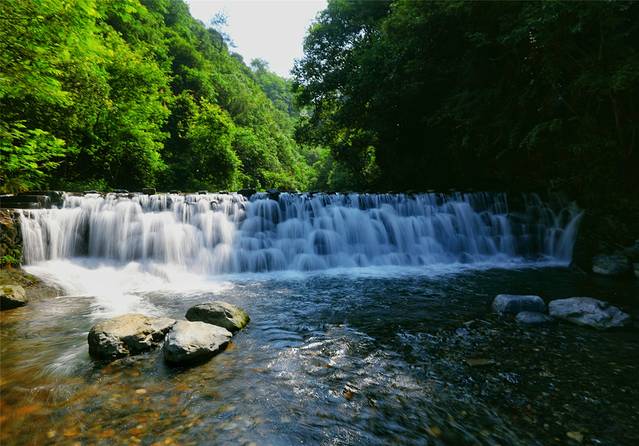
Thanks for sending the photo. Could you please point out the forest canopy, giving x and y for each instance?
(390, 95)
(507, 95)
(99, 94)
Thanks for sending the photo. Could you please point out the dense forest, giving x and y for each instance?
(99, 94)
(390, 95)
(506, 95)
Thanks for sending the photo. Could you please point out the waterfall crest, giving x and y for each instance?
(228, 233)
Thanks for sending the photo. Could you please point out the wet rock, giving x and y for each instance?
(246, 193)
(632, 252)
(190, 342)
(149, 191)
(533, 318)
(589, 312)
(516, 303)
(12, 296)
(611, 265)
(273, 194)
(479, 362)
(128, 334)
(219, 313)
(635, 268)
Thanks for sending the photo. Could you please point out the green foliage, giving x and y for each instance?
(26, 156)
(108, 94)
(475, 94)
(215, 164)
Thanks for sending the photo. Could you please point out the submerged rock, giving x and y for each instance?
(589, 312)
(12, 296)
(533, 318)
(190, 342)
(516, 303)
(128, 334)
(611, 265)
(219, 313)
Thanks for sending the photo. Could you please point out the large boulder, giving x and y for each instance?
(588, 311)
(12, 296)
(126, 335)
(190, 342)
(611, 265)
(219, 313)
(516, 303)
(533, 318)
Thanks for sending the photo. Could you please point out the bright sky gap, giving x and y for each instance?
(265, 29)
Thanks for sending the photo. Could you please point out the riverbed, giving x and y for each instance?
(342, 356)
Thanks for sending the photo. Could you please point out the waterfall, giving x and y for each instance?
(228, 233)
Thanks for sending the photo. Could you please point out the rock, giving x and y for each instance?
(515, 303)
(219, 313)
(12, 296)
(532, 318)
(10, 238)
(577, 436)
(128, 334)
(246, 193)
(273, 194)
(149, 191)
(611, 265)
(190, 342)
(479, 362)
(588, 311)
(632, 252)
(635, 268)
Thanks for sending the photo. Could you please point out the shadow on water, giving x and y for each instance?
(335, 359)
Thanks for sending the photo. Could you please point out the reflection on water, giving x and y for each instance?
(357, 357)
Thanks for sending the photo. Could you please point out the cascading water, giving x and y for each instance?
(227, 233)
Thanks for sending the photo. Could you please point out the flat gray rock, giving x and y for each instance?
(12, 296)
(190, 342)
(589, 312)
(611, 265)
(219, 313)
(533, 318)
(126, 335)
(516, 303)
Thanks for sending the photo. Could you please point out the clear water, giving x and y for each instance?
(360, 356)
(363, 331)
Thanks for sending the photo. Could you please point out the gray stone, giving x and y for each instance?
(12, 296)
(219, 313)
(516, 303)
(128, 334)
(611, 265)
(635, 267)
(190, 342)
(533, 318)
(589, 312)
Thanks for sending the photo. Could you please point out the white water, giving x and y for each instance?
(226, 233)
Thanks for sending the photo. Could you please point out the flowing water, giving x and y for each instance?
(366, 313)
